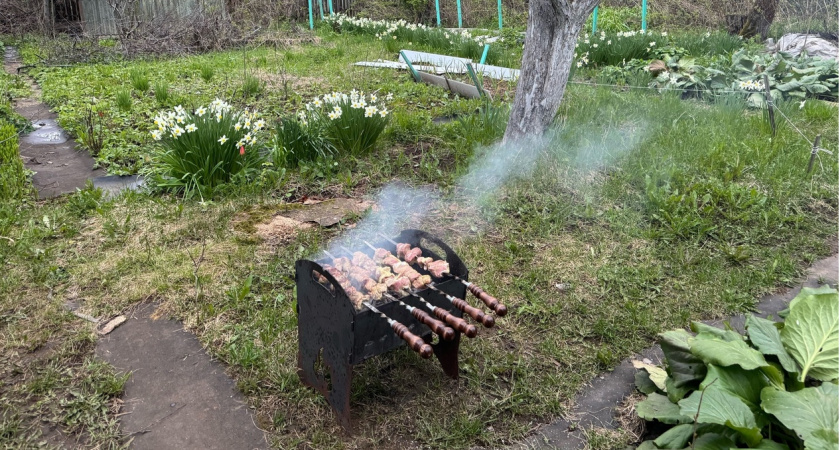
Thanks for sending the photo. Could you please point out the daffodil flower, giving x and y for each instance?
(191, 127)
(222, 140)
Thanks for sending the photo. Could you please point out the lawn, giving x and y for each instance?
(640, 212)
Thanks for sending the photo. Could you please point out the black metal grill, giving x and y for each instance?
(334, 335)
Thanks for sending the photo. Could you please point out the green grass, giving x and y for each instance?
(643, 212)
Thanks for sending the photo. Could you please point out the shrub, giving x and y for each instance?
(162, 92)
(297, 141)
(124, 101)
(139, 80)
(14, 182)
(352, 122)
(204, 149)
(773, 388)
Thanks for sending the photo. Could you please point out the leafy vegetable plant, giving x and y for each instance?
(775, 388)
(204, 148)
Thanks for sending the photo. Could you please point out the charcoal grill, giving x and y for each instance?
(334, 336)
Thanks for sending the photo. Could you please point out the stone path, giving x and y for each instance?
(60, 168)
(595, 407)
(177, 396)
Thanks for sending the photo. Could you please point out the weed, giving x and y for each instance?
(252, 86)
(139, 80)
(124, 100)
(83, 201)
(92, 133)
(14, 181)
(162, 92)
(206, 71)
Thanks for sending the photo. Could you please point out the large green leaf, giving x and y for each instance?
(675, 394)
(657, 374)
(726, 335)
(712, 441)
(811, 412)
(643, 382)
(658, 407)
(767, 444)
(720, 407)
(744, 384)
(824, 292)
(764, 335)
(811, 335)
(685, 368)
(676, 437)
(714, 350)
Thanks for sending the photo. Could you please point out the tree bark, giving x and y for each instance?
(553, 28)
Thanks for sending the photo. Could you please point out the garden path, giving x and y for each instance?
(49, 152)
(177, 396)
(596, 406)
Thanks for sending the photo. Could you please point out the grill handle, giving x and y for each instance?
(435, 325)
(488, 300)
(485, 319)
(415, 342)
(456, 322)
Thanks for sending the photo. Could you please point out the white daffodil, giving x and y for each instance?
(238, 126)
(223, 139)
(259, 125)
(200, 111)
(156, 134)
(191, 127)
(332, 115)
(383, 112)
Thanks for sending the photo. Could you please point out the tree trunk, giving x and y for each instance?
(553, 28)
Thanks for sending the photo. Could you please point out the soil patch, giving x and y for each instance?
(328, 212)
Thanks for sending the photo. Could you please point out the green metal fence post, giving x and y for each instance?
(331, 9)
(437, 9)
(484, 55)
(500, 14)
(311, 20)
(595, 20)
(644, 15)
(411, 68)
(460, 25)
(321, 8)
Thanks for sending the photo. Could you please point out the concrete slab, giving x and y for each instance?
(60, 168)
(328, 212)
(177, 396)
(595, 406)
(114, 184)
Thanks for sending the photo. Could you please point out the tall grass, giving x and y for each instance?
(13, 179)
(139, 80)
(296, 142)
(161, 92)
(123, 100)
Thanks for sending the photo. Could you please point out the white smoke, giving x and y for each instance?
(399, 206)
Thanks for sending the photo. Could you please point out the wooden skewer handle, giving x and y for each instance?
(456, 322)
(488, 300)
(484, 319)
(438, 327)
(414, 341)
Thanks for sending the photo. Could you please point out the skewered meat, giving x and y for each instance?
(356, 297)
(437, 267)
(407, 253)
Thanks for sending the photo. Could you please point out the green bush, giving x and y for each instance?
(297, 141)
(352, 122)
(204, 149)
(14, 183)
(774, 388)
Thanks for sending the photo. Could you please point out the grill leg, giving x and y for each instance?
(447, 354)
(335, 388)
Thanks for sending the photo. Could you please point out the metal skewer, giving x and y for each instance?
(475, 313)
(435, 325)
(491, 302)
(414, 341)
(455, 322)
